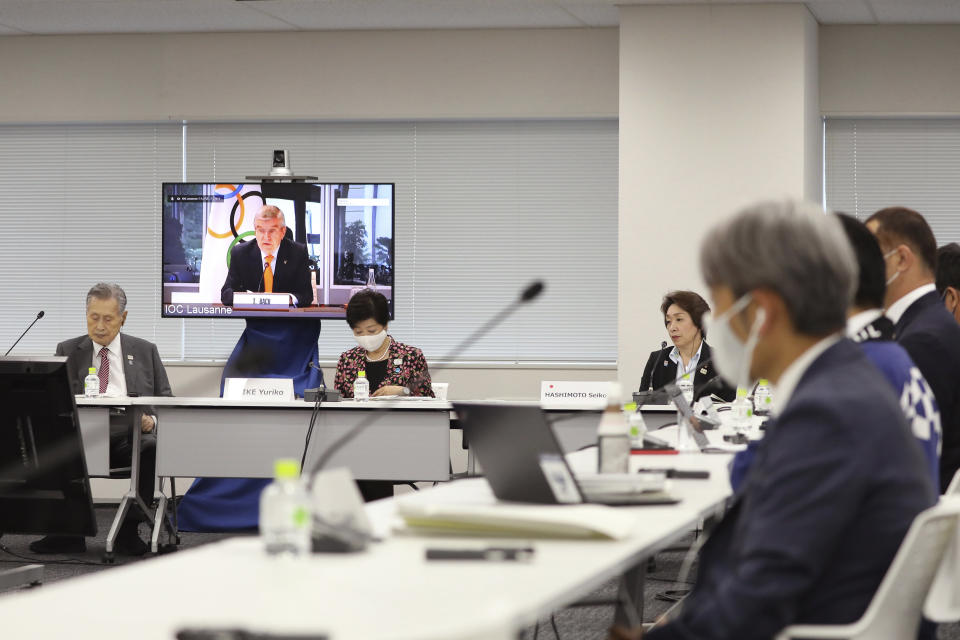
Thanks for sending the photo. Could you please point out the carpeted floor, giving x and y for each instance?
(588, 623)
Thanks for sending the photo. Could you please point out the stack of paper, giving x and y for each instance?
(517, 520)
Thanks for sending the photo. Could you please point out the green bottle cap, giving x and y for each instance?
(92, 371)
(630, 406)
(361, 374)
(285, 468)
(741, 392)
(764, 382)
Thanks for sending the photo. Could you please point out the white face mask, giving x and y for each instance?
(897, 273)
(372, 343)
(731, 357)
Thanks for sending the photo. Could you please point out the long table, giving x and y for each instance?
(405, 440)
(389, 591)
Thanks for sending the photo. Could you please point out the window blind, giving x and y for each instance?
(481, 209)
(872, 163)
(79, 205)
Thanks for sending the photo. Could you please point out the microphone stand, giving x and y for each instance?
(529, 293)
(39, 315)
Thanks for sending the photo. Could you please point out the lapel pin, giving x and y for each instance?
(703, 371)
(665, 363)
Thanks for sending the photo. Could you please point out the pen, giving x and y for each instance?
(679, 474)
(493, 554)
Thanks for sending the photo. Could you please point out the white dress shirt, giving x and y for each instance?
(858, 321)
(898, 308)
(790, 377)
(117, 382)
(691, 366)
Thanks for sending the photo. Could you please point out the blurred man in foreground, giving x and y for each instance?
(838, 478)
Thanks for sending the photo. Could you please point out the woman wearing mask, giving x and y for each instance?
(683, 317)
(392, 368)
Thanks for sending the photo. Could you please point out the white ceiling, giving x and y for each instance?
(23, 17)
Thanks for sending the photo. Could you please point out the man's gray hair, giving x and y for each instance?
(269, 212)
(108, 291)
(792, 248)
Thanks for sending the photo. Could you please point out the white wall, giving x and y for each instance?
(890, 69)
(516, 73)
(716, 111)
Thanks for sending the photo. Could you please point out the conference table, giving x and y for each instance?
(389, 591)
(404, 440)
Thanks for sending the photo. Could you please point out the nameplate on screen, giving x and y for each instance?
(265, 301)
(258, 389)
(574, 395)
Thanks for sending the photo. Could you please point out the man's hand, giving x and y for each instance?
(147, 423)
(622, 633)
(389, 390)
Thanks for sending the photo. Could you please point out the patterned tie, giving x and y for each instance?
(104, 372)
(268, 276)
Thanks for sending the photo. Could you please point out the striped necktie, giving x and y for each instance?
(104, 371)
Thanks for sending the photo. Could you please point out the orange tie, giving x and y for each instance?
(268, 276)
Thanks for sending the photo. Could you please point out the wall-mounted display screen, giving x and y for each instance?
(292, 250)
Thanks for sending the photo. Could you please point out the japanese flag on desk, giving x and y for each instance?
(241, 203)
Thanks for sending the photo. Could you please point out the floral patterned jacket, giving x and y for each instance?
(406, 367)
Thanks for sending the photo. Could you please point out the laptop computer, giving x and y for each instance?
(523, 462)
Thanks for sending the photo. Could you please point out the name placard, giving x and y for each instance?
(579, 395)
(258, 389)
(261, 300)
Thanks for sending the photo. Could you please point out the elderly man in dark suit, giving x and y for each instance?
(126, 366)
(921, 323)
(272, 264)
(838, 478)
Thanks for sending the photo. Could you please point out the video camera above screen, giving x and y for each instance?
(337, 240)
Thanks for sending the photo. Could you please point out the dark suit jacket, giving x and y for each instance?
(836, 483)
(932, 338)
(292, 273)
(143, 372)
(664, 370)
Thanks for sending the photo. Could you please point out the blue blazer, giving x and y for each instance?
(932, 338)
(837, 480)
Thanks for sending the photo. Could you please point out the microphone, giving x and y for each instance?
(663, 345)
(530, 293)
(39, 315)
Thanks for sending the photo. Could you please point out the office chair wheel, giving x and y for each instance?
(108, 558)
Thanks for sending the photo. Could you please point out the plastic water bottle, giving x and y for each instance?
(741, 412)
(91, 384)
(763, 398)
(637, 427)
(613, 440)
(361, 387)
(285, 512)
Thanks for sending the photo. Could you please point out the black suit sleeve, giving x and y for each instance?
(301, 286)
(648, 371)
(75, 384)
(234, 281)
(161, 384)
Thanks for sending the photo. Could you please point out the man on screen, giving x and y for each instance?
(272, 264)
